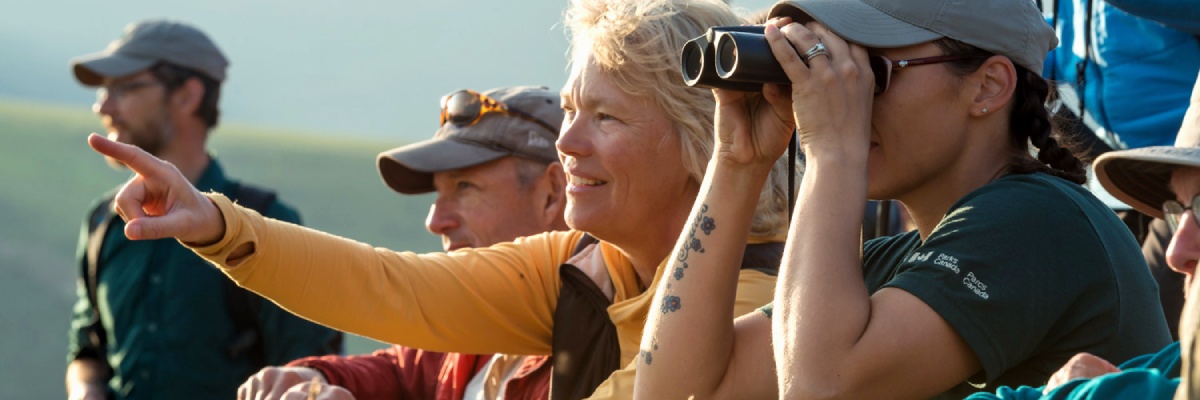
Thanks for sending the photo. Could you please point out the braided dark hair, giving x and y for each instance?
(1030, 122)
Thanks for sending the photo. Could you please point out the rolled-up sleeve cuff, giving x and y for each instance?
(238, 232)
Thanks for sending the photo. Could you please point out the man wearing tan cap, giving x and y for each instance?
(497, 178)
(153, 320)
(1162, 182)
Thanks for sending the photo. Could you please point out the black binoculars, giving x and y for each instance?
(731, 57)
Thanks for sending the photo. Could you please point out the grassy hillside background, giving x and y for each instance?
(49, 176)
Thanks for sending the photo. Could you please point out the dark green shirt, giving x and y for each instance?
(164, 312)
(1029, 270)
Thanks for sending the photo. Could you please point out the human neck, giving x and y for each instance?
(929, 204)
(646, 260)
(647, 251)
(187, 153)
(980, 161)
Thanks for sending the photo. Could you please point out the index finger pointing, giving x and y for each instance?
(135, 158)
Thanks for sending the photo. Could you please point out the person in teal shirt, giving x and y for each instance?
(1152, 376)
(1163, 182)
(163, 312)
(1124, 70)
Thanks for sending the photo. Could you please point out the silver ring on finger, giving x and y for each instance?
(817, 50)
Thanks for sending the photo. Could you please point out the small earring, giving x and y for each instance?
(985, 110)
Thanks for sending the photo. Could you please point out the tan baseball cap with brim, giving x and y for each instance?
(1142, 177)
(146, 43)
(409, 169)
(1012, 28)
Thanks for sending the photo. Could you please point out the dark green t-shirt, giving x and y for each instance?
(1029, 270)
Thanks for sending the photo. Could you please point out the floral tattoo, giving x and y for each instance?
(692, 243)
(671, 304)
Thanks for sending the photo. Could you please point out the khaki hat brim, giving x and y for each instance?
(91, 69)
(409, 169)
(856, 22)
(1142, 177)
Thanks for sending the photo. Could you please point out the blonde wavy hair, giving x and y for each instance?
(636, 43)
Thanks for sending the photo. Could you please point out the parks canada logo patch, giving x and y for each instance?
(949, 262)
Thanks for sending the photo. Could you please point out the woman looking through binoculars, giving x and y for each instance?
(1014, 266)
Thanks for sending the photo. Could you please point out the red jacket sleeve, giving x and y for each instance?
(396, 373)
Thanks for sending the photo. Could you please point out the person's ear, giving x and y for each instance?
(992, 86)
(555, 197)
(187, 98)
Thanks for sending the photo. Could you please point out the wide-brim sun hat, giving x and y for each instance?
(1142, 177)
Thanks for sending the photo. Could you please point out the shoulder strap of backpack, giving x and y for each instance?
(98, 223)
(584, 242)
(585, 345)
(254, 197)
(241, 304)
(763, 257)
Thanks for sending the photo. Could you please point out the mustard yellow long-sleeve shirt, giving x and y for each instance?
(498, 299)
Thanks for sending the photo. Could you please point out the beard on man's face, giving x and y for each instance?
(152, 136)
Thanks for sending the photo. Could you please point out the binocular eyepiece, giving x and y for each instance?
(732, 58)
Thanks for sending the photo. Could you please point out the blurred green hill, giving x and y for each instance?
(49, 177)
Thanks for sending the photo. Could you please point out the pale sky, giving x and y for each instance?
(359, 67)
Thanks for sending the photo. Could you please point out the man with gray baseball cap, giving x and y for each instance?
(153, 320)
(147, 43)
(510, 125)
(467, 138)
(496, 173)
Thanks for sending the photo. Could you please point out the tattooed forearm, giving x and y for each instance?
(671, 303)
(692, 243)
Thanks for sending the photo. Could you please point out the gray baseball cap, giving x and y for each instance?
(146, 43)
(1012, 28)
(409, 169)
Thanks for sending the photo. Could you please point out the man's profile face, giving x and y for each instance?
(133, 110)
(1184, 250)
(484, 205)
